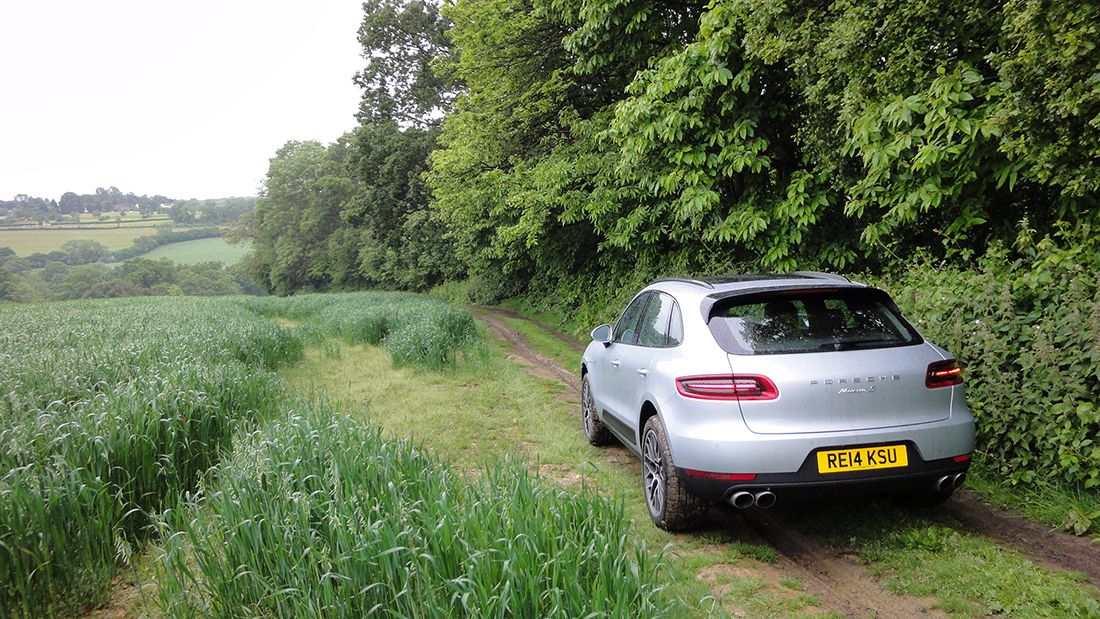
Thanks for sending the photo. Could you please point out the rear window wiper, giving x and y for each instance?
(850, 344)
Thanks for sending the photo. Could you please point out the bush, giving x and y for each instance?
(1028, 331)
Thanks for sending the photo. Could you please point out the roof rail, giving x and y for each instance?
(686, 280)
(822, 275)
(709, 281)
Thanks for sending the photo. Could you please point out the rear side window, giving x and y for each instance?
(652, 320)
(809, 321)
(661, 325)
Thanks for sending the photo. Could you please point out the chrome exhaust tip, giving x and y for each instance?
(958, 480)
(742, 500)
(947, 482)
(765, 499)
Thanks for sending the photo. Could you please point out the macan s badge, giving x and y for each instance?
(856, 380)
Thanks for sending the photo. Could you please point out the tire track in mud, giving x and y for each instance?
(838, 581)
(539, 365)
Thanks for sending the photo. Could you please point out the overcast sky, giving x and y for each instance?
(184, 99)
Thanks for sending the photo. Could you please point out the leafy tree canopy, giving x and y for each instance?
(401, 39)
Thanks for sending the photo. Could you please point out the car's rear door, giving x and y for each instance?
(841, 358)
(844, 390)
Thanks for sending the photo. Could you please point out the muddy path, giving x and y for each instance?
(837, 580)
(539, 365)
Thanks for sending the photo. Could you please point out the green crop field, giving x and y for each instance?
(201, 250)
(162, 421)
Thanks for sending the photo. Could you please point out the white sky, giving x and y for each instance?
(184, 99)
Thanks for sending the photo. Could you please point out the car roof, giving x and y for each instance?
(706, 291)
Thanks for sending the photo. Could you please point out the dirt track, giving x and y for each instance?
(838, 581)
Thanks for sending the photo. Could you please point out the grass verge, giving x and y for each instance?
(1053, 503)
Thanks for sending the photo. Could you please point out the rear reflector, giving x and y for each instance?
(943, 374)
(722, 476)
(727, 387)
(962, 458)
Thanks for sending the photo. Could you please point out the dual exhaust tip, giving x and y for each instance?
(744, 499)
(765, 498)
(949, 482)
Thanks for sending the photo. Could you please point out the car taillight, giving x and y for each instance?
(728, 387)
(943, 374)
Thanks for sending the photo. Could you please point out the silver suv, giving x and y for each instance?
(753, 388)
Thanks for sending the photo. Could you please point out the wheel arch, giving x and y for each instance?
(648, 410)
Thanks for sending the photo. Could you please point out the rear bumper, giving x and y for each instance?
(808, 483)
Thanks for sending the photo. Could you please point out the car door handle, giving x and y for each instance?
(643, 372)
(615, 363)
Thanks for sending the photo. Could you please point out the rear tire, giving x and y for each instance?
(594, 429)
(671, 506)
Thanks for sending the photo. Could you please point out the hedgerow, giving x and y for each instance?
(1026, 324)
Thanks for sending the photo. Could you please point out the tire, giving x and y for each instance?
(594, 429)
(671, 506)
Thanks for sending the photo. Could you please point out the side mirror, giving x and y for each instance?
(602, 334)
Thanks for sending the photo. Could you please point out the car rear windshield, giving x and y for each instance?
(802, 321)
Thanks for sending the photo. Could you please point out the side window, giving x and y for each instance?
(626, 330)
(654, 330)
(676, 327)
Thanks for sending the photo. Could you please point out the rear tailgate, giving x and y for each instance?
(844, 390)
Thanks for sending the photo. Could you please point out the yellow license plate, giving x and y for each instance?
(862, 459)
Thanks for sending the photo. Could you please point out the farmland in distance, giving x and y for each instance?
(201, 250)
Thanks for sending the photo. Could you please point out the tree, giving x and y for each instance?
(1049, 115)
(522, 164)
(83, 251)
(146, 273)
(401, 244)
(182, 212)
(70, 203)
(77, 282)
(14, 290)
(307, 187)
(401, 39)
(113, 289)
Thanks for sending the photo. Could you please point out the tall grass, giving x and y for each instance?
(109, 412)
(115, 417)
(321, 516)
(418, 330)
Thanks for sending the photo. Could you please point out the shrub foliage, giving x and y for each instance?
(1028, 331)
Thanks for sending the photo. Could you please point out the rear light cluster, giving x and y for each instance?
(727, 387)
(943, 374)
